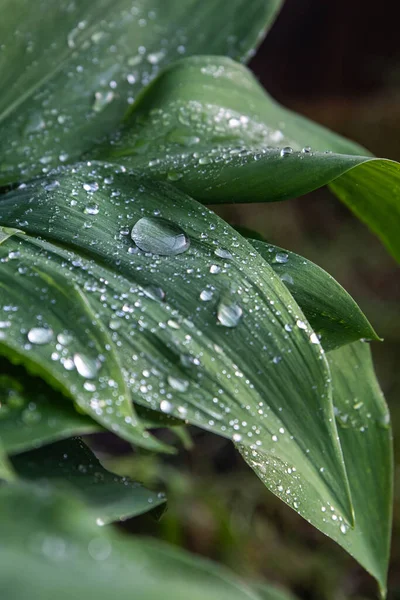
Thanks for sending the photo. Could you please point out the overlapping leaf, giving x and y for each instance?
(32, 414)
(177, 322)
(365, 437)
(331, 311)
(64, 555)
(109, 497)
(69, 70)
(40, 308)
(208, 126)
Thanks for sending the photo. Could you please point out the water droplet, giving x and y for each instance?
(114, 324)
(287, 151)
(91, 209)
(281, 257)
(229, 313)
(155, 293)
(206, 295)
(64, 339)
(180, 385)
(300, 324)
(237, 437)
(40, 335)
(87, 367)
(101, 100)
(155, 57)
(214, 269)
(174, 176)
(159, 236)
(93, 186)
(222, 253)
(314, 339)
(165, 406)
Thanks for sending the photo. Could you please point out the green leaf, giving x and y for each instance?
(109, 497)
(69, 347)
(268, 592)
(365, 437)
(69, 71)
(51, 548)
(207, 125)
(179, 321)
(6, 470)
(32, 414)
(330, 310)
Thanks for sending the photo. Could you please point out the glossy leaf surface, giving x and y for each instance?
(109, 497)
(178, 322)
(330, 310)
(70, 70)
(208, 126)
(69, 557)
(365, 437)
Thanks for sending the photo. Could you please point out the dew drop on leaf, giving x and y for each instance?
(87, 367)
(40, 335)
(229, 313)
(281, 257)
(159, 236)
(180, 385)
(222, 253)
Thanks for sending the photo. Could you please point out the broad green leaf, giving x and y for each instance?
(109, 497)
(69, 347)
(70, 70)
(32, 414)
(208, 126)
(179, 320)
(51, 548)
(365, 437)
(330, 310)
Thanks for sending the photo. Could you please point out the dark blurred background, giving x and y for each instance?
(337, 62)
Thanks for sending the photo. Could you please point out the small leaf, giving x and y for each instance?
(69, 70)
(178, 323)
(331, 311)
(365, 436)
(32, 414)
(52, 548)
(109, 497)
(206, 125)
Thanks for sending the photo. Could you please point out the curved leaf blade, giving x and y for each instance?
(208, 126)
(177, 352)
(69, 557)
(109, 497)
(365, 437)
(69, 348)
(330, 310)
(70, 70)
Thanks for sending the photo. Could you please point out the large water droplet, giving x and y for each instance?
(159, 236)
(87, 367)
(40, 335)
(229, 313)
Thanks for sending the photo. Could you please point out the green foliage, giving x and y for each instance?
(127, 306)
